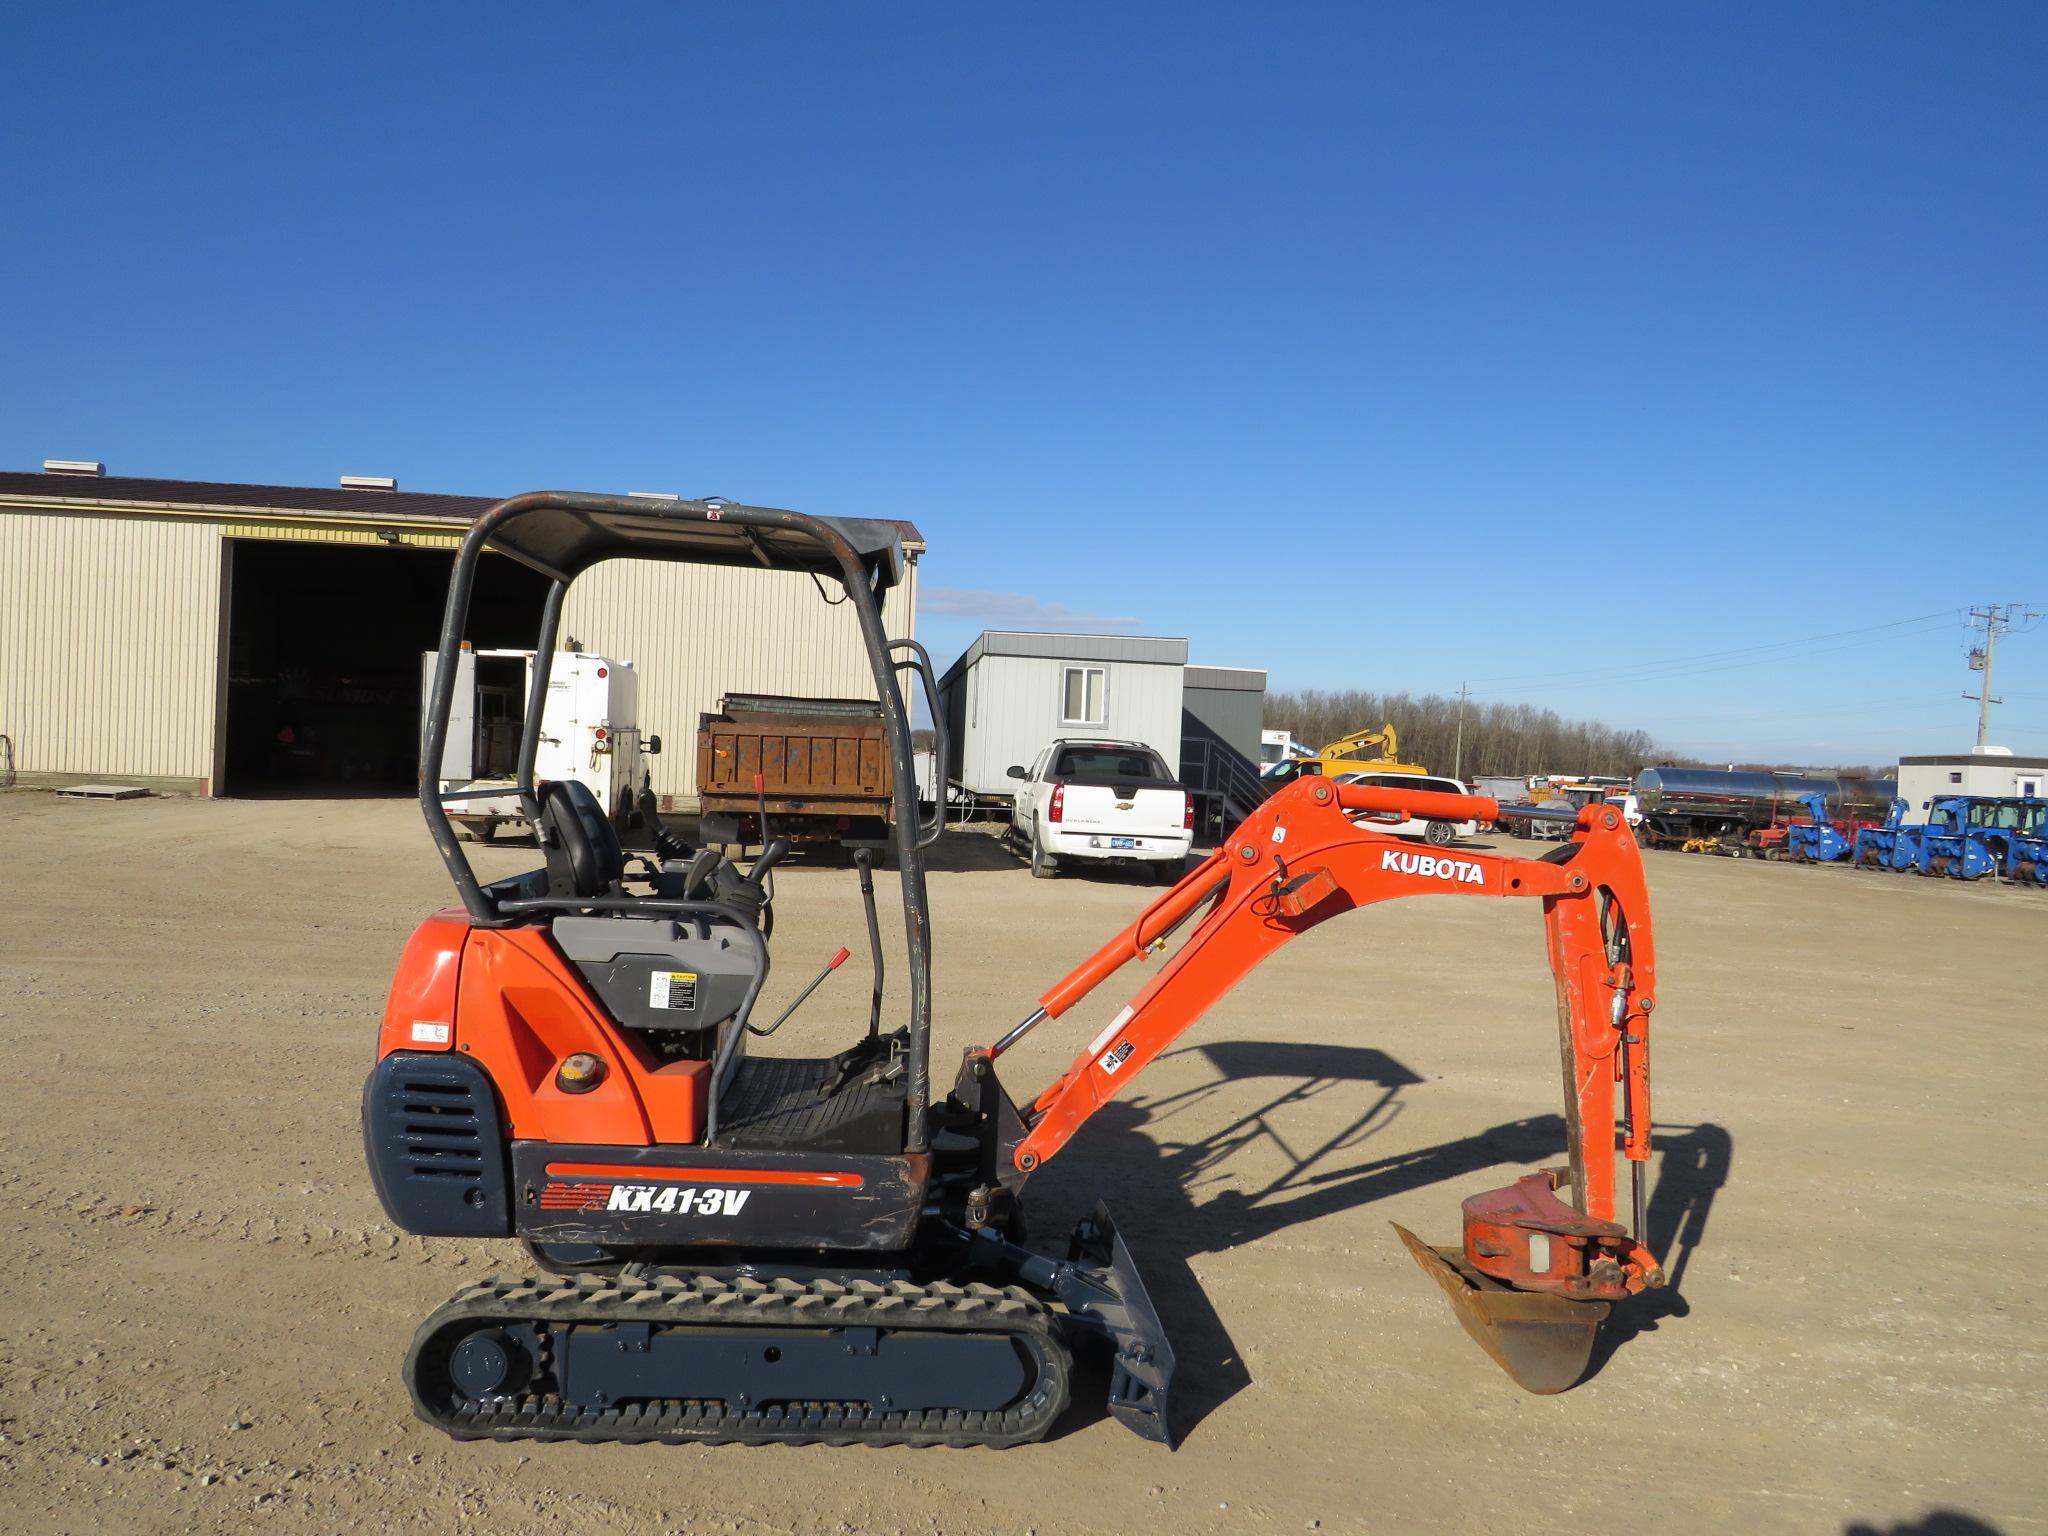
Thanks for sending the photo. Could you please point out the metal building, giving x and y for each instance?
(1223, 713)
(234, 639)
(1011, 692)
(1228, 703)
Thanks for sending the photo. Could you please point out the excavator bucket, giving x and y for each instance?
(1544, 1342)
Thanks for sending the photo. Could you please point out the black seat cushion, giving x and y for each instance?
(582, 847)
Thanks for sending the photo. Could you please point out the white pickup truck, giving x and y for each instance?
(1104, 801)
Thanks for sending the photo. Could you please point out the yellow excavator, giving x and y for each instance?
(1377, 751)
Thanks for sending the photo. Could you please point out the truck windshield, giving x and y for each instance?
(1108, 763)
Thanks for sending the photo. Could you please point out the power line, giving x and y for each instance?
(1621, 671)
(1994, 619)
(1673, 672)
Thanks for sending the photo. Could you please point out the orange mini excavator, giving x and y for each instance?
(749, 1248)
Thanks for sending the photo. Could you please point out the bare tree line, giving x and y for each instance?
(1498, 738)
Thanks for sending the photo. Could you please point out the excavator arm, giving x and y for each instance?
(1535, 1275)
(1358, 745)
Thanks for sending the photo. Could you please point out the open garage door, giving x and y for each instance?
(323, 660)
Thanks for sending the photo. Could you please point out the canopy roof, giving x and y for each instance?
(562, 533)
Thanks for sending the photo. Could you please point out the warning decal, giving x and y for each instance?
(672, 989)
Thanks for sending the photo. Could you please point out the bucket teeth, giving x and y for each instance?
(1543, 1342)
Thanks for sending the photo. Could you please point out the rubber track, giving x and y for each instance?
(697, 1300)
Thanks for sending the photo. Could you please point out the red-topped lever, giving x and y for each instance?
(816, 981)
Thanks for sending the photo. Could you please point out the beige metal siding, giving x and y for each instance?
(315, 533)
(696, 633)
(109, 628)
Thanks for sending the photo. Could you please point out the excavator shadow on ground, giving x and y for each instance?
(1160, 1205)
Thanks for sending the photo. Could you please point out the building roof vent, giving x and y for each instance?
(73, 467)
(369, 482)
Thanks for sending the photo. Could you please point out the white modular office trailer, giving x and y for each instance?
(1990, 771)
(1011, 692)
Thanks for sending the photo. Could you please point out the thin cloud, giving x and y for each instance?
(1011, 610)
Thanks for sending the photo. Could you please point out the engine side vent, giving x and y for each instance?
(436, 1146)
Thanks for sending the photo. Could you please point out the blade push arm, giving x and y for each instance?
(1300, 860)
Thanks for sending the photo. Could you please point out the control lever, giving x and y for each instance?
(771, 852)
(666, 843)
(864, 861)
(816, 981)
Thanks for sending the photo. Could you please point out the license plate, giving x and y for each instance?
(1123, 842)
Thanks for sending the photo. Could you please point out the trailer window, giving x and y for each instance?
(1081, 695)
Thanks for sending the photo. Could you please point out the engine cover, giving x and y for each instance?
(662, 973)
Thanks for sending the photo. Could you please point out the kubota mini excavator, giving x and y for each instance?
(745, 1248)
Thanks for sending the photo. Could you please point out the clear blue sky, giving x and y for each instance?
(1567, 350)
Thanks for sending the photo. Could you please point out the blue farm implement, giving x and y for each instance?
(1950, 845)
(1817, 840)
(1976, 835)
(1965, 837)
(1891, 846)
(2026, 860)
(2004, 827)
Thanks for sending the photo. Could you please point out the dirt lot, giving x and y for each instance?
(207, 1309)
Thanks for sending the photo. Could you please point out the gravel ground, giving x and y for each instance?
(209, 1310)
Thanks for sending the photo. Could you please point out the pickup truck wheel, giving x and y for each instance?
(1042, 866)
(1438, 834)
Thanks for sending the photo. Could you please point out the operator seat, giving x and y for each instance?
(579, 842)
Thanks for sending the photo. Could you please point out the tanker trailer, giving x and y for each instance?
(1710, 810)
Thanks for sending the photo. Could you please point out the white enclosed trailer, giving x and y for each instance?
(590, 731)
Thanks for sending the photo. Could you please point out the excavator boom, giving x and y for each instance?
(1379, 750)
(1535, 1275)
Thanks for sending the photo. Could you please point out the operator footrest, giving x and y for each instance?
(809, 1105)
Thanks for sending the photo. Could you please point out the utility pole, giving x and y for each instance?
(1995, 619)
(1458, 752)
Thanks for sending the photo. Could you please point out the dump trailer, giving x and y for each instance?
(833, 1248)
(812, 770)
(1711, 810)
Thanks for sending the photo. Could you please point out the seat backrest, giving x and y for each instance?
(581, 844)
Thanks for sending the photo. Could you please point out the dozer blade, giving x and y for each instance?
(1143, 1374)
(1543, 1342)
